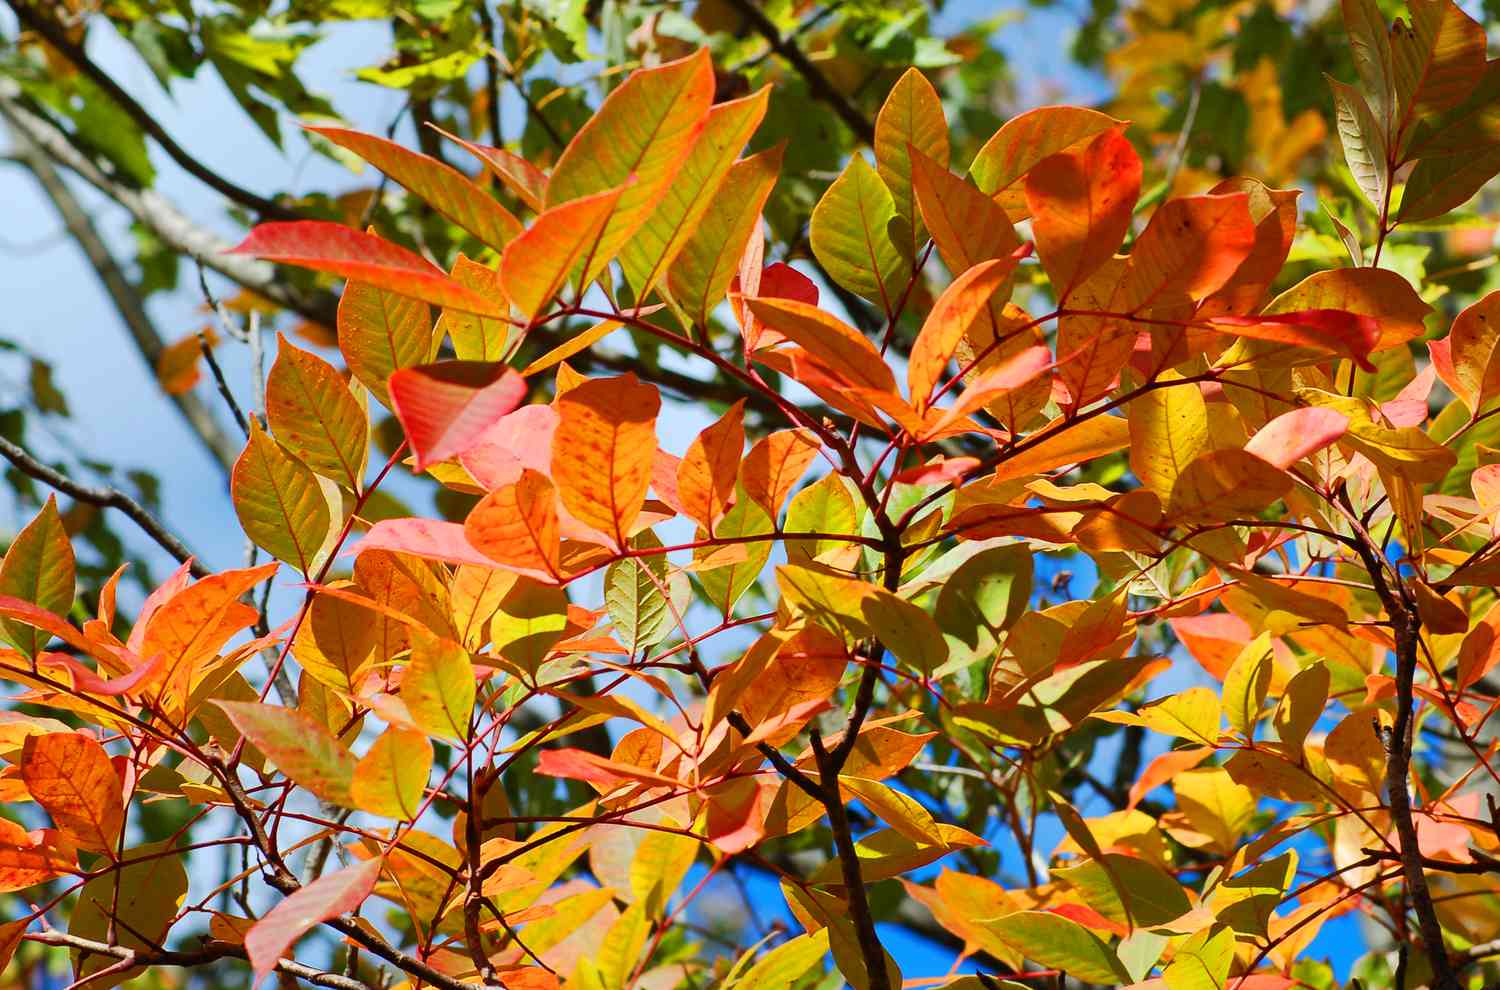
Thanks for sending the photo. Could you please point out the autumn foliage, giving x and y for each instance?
(821, 624)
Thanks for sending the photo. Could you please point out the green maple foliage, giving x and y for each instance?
(507, 746)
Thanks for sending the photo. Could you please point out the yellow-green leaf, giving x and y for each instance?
(390, 778)
(315, 416)
(38, 568)
(279, 503)
(851, 236)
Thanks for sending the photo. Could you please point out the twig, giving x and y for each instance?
(111, 498)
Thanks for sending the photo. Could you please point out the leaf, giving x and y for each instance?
(906, 630)
(966, 225)
(1058, 943)
(911, 119)
(531, 618)
(851, 238)
(1302, 704)
(390, 778)
(1330, 330)
(1127, 890)
(645, 129)
(315, 416)
(951, 319)
(71, 776)
(1383, 295)
(1437, 58)
(1203, 961)
(1023, 141)
(1073, 445)
(603, 450)
(477, 338)
(279, 503)
(1190, 248)
(633, 593)
(1405, 451)
(833, 342)
(131, 906)
(300, 747)
(1081, 204)
(1294, 435)
(357, 256)
(516, 526)
(706, 476)
(324, 899)
(1168, 430)
(775, 464)
(537, 265)
(336, 644)
(38, 568)
(446, 407)
(697, 182)
(195, 623)
(1221, 485)
(703, 270)
(1364, 140)
(440, 186)
(380, 331)
(1473, 365)
(1192, 714)
(528, 182)
(438, 686)
(1438, 185)
(1246, 684)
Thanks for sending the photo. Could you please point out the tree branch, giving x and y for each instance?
(816, 81)
(58, 39)
(166, 221)
(127, 301)
(111, 498)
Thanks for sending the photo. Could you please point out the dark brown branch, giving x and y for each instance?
(816, 81)
(111, 498)
(59, 40)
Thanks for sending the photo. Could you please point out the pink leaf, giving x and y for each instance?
(521, 439)
(1291, 436)
(446, 407)
(353, 254)
(433, 539)
(325, 898)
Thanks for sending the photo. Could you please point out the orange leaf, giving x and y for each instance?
(603, 450)
(1331, 330)
(1067, 445)
(966, 225)
(705, 478)
(952, 316)
(72, 777)
(833, 342)
(440, 186)
(380, 331)
(516, 526)
(1081, 203)
(445, 407)
(523, 178)
(536, 265)
(352, 254)
(1189, 249)
(775, 464)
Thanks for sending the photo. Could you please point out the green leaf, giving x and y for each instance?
(38, 568)
(1203, 961)
(911, 119)
(1127, 890)
(704, 268)
(1364, 143)
(1246, 684)
(380, 331)
(438, 686)
(633, 588)
(131, 906)
(1058, 943)
(783, 966)
(530, 620)
(825, 506)
(982, 597)
(724, 585)
(906, 630)
(390, 778)
(300, 747)
(279, 502)
(315, 416)
(851, 236)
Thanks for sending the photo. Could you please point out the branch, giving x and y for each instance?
(111, 498)
(166, 221)
(816, 81)
(127, 301)
(211, 952)
(58, 39)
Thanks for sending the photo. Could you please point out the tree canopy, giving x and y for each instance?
(751, 495)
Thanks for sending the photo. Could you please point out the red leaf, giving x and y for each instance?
(938, 472)
(352, 254)
(1291, 436)
(323, 899)
(1335, 330)
(779, 281)
(446, 407)
(734, 817)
